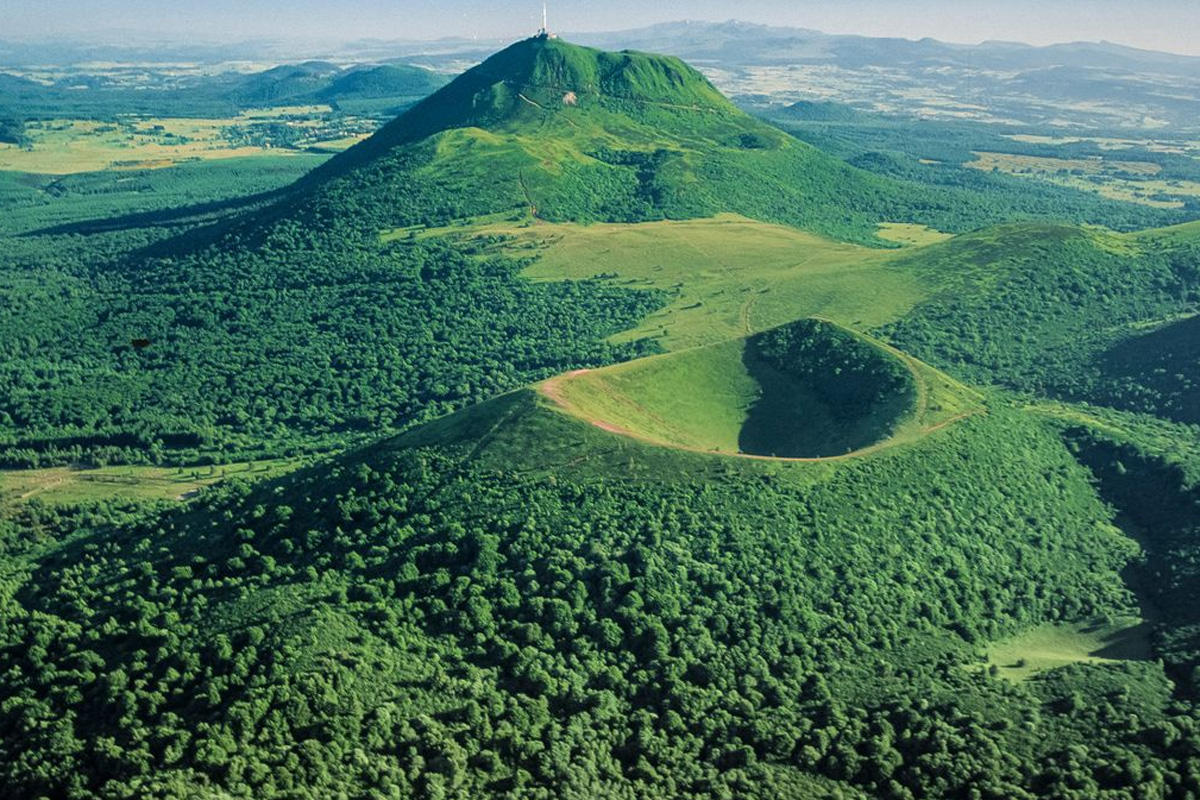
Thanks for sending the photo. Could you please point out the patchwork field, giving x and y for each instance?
(66, 146)
(1180, 146)
(1008, 162)
(1127, 181)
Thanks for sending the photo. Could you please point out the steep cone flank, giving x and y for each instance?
(522, 83)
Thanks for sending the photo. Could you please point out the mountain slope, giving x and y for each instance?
(563, 132)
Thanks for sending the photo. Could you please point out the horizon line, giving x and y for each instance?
(181, 38)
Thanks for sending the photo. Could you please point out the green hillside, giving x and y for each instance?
(385, 81)
(565, 133)
(1076, 313)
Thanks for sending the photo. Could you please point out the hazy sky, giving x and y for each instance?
(1172, 25)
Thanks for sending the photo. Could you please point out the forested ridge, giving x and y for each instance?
(1058, 310)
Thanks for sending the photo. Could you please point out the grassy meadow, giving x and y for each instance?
(1095, 641)
(729, 276)
(70, 486)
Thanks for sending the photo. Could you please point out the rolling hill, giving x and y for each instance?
(530, 573)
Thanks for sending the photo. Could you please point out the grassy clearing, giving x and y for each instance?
(730, 276)
(911, 235)
(66, 486)
(1095, 641)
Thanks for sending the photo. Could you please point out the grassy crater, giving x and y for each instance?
(809, 389)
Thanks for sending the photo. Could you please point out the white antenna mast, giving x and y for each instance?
(545, 33)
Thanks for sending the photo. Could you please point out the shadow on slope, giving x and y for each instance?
(805, 390)
(822, 392)
(1158, 370)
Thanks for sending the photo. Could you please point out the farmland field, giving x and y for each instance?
(1129, 181)
(69, 146)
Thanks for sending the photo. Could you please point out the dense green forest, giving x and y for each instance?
(479, 595)
(1161, 504)
(12, 131)
(252, 359)
(471, 618)
(247, 355)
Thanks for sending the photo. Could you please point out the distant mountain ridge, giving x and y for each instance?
(754, 43)
(692, 39)
(304, 83)
(1084, 85)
